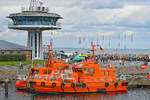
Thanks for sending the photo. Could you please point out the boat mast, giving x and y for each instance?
(93, 50)
(50, 57)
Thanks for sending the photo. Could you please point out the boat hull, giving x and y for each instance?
(88, 88)
(20, 84)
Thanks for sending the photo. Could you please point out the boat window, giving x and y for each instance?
(59, 67)
(45, 71)
(55, 62)
(36, 72)
(107, 73)
(49, 71)
(86, 69)
(102, 73)
(91, 70)
(80, 65)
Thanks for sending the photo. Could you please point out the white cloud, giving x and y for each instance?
(87, 17)
(115, 16)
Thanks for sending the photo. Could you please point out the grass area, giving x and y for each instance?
(24, 62)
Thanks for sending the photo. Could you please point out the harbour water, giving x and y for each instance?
(131, 94)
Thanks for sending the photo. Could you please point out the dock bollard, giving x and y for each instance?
(6, 87)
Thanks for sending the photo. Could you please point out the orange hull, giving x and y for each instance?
(80, 88)
(21, 84)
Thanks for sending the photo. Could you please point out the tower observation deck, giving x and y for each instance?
(35, 20)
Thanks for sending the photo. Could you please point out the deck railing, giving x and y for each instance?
(11, 24)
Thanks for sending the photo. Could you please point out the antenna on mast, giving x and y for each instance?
(34, 4)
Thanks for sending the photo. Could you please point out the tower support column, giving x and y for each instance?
(35, 42)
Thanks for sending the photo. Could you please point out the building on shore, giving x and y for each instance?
(12, 48)
(35, 20)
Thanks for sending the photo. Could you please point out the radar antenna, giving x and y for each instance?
(34, 4)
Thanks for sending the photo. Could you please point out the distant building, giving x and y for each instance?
(35, 20)
(12, 48)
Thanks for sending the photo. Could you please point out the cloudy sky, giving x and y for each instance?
(114, 23)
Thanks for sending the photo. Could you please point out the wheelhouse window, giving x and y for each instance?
(86, 69)
(107, 73)
(37, 71)
(91, 70)
(59, 67)
(102, 73)
(49, 71)
(45, 72)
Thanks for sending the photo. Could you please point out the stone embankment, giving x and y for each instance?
(134, 74)
(11, 72)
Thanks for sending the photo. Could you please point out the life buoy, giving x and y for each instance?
(116, 84)
(53, 85)
(62, 85)
(106, 84)
(72, 85)
(143, 66)
(83, 85)
(42, 83)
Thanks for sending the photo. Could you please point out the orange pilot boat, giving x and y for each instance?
(83, 77)
(51, 67)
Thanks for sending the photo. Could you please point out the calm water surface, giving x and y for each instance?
(132, 94)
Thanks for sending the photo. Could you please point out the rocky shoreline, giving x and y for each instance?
(11, 72)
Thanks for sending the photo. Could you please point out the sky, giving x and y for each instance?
(113, 23)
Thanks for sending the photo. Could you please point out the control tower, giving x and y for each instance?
(35, 19)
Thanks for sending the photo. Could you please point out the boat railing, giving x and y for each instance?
(67, 76)
(53, 75)
(22, 77)
(44, 77)
(12, 24)
(96, 79)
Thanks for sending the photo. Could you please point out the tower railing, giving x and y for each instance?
(11, 24)
(38, 9)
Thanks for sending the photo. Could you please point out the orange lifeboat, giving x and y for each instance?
(51, 66)
(83, 77)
